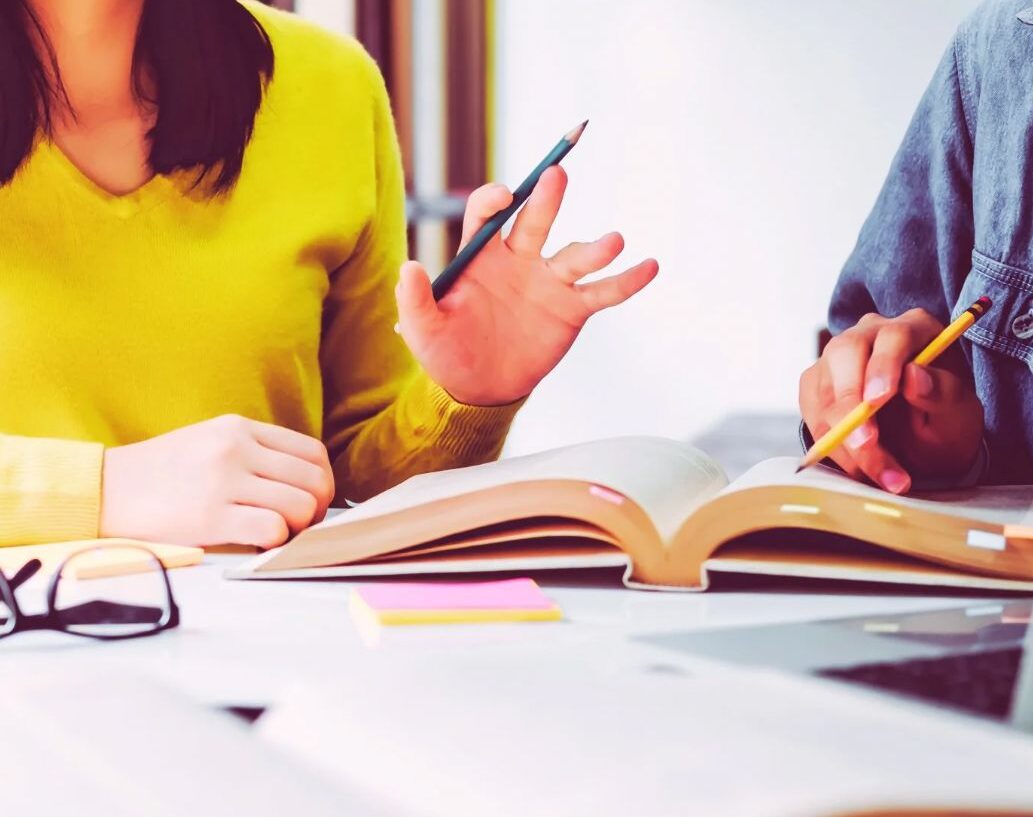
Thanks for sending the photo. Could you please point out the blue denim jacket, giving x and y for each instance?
(954, 221)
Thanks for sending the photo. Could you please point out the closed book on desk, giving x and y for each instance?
(665, 512)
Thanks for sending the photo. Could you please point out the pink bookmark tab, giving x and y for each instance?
(507, 594)
(605, 493)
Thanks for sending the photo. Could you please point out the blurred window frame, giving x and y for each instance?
(385, 28)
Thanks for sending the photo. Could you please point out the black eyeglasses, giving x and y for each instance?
(84, 599)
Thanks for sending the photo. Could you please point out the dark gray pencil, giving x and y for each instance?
(446, 280)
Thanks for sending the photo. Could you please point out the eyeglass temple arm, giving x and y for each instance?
(27, 571)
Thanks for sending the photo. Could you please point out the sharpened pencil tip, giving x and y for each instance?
(575, 134)
(799, 468)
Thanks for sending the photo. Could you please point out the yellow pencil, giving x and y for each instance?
(835, 436)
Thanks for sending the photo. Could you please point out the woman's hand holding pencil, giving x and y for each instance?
(512, 314)
(929, 420)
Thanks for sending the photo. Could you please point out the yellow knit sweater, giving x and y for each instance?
(125, 317)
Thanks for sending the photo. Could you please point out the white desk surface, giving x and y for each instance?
(247, 643)
(265, 643)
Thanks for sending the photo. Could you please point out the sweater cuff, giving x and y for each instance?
(50, 490)
(470, 433)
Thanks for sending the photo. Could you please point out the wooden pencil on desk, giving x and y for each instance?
(836, 436)
(446, 280)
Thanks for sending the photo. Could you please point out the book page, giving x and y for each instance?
(666, 478)
(998, 504)
(818, 555)
(508, 532)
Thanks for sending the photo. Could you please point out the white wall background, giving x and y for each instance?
(741, 142)
(332, 14)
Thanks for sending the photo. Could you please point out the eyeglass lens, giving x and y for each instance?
(88, 601)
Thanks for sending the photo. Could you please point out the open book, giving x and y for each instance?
(665, 512)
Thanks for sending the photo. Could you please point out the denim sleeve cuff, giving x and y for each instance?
(974, 476)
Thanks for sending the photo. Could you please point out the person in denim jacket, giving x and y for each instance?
(953, 222)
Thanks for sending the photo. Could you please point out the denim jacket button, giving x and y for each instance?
(1022, 326)
(1025, 16)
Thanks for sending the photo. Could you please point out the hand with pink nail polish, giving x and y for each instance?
(932, 423)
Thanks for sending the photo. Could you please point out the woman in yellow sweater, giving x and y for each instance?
(202, 258)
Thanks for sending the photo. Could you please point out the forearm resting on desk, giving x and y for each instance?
(238, 480)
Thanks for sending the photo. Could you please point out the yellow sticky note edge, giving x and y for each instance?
(101, 563)
(171, 556)
(364, 612)
(392, 617)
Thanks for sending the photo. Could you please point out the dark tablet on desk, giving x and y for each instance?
(975, 658)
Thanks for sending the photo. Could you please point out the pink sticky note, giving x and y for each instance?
(508, 594)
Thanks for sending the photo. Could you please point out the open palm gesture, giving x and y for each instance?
(513, 314)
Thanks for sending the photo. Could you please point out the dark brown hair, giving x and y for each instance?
(203, 63)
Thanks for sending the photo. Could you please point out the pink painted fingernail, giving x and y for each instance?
(876, 388)
(923, 381)
(860, 437)
(895, 481)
